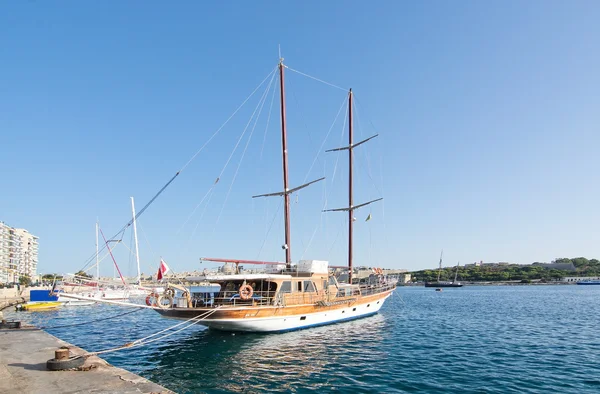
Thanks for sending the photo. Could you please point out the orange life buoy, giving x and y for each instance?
(246, 292)
(151, 299)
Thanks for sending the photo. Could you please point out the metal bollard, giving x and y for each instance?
(61, 354)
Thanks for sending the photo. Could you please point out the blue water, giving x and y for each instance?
(494, 339)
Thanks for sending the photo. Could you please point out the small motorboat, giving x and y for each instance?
(38, 306)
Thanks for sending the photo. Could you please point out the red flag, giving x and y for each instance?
(163, 268)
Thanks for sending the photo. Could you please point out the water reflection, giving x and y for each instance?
(274, 362)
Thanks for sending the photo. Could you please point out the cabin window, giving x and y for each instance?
(286, 287)
(268, 286)
(331, 281)
(309, 287)
(303, 318)
(299, 286)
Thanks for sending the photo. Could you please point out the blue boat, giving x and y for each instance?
(589, 282)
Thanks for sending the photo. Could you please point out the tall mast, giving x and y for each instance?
(137, 251)
(350, 188)
(97, 260)
(456, 273)
(440, 268)
(286, 189)
(351, 207)
(286, 196)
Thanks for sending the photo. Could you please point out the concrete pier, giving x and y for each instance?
(23, 356)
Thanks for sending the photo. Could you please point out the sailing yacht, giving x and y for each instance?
(439, 283)
(87, 292)
(286, 296)
(137, 290)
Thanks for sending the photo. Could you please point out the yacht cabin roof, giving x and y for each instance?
(227, 277)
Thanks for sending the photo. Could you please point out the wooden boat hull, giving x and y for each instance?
(280, 319)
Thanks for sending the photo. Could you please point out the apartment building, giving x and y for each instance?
(18, 254)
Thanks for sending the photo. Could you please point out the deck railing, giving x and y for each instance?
(264, 298)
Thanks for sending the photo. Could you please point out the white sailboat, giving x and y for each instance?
(137, 290)
(89, 293)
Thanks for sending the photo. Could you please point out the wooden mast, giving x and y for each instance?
(350, 188)
(286, 189)
(351, 207)
(286, 196)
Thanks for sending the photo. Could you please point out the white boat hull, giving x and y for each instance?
(296, 322)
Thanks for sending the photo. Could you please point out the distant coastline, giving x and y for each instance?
(559, 271)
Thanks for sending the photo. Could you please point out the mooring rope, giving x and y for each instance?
(88, 322)
(144, 341)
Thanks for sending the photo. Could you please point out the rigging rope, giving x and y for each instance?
(270, 227)
(139, 213)
(197, 206)
(201, 215)
(337, 159)
(113, 258)
(268, 118)
(260, 104)
(228, 119)
(316, 79)
(345, 101)
(369, 170)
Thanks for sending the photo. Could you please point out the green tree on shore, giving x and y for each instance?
(513, 272)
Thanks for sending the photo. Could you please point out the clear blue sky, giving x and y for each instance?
(488, 114)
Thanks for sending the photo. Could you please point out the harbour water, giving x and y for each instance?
(478, 339)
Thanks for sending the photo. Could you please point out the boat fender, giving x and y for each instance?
(246, 292)
(151, 299)
(160, 299)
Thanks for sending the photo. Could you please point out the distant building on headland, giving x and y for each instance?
(550, 266)
(18, 254)
(482, 264)
(556, 266)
